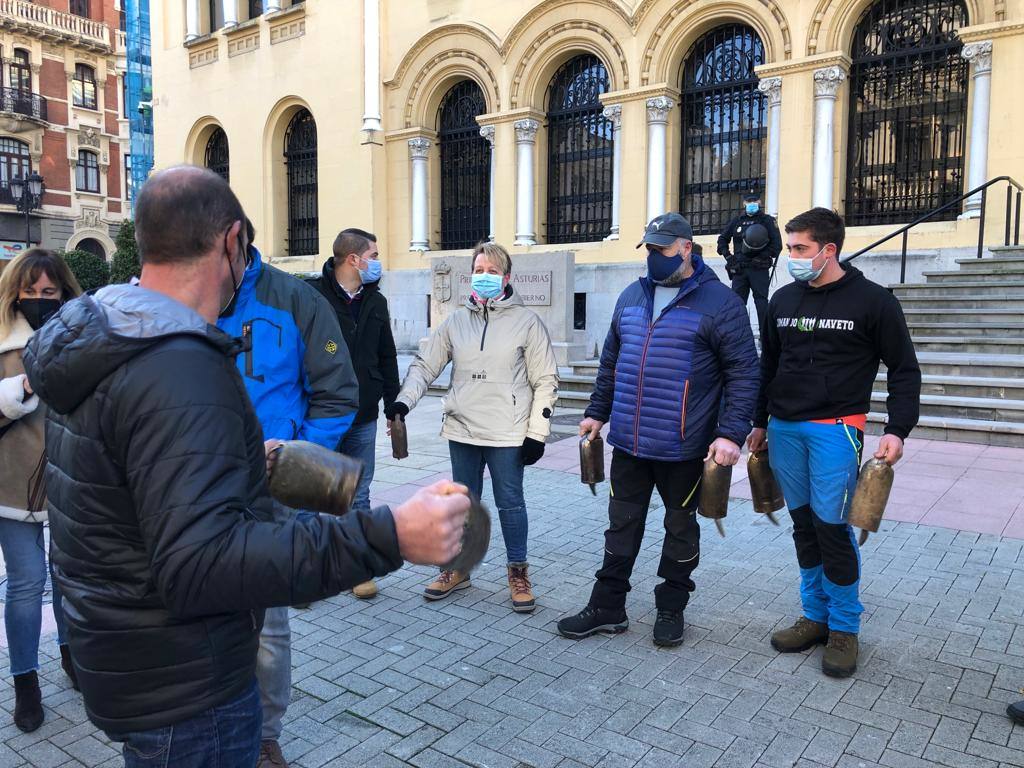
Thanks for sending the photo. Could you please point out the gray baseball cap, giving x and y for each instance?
(666, 229)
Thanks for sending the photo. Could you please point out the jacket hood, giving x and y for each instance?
(510, 299)
(18, 336)
(93, 336)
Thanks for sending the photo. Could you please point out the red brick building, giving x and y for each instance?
(62, 116)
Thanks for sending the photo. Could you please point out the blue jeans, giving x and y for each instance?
(227, 736)
(506, 465)
(24, 550)
(360, 442)
(817, 466)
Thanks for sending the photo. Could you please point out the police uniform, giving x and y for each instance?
(748, 269)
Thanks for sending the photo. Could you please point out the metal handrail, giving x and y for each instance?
(1011, 185)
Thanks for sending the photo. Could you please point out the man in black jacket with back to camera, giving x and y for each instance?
(162, 534)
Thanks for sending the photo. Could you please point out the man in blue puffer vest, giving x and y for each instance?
(678, 378)
(299, 377)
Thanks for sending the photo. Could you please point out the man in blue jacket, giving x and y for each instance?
(297, 371)
(678, 379)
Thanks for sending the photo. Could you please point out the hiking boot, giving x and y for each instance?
(270, 755)
(668, 628)
(445, 584)
(68, 667)
(520, 587)
(1016, 712)
(840, 659)
(802, 635)
(365, 591)
(592, 620)
(28, 702)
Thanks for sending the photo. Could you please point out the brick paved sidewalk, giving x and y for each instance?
(396, 681)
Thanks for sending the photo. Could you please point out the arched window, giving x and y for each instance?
(87, 172)
(217, 158)
(19, 72)
(14, 163)
(93, 246)
(908, 109)
(83, 87)
(579, 153)
(300, 157)
(465, 168)
(723, 126)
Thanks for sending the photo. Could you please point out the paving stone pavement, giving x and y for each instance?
(397, 681)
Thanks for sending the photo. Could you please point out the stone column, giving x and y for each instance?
(772, 88)
(271, 6)
(826, 86)
(191, 20)
(419, 152)
(614, 114)
(658, 109)
(526, 138)
(979, 54)
(487, 131)
(230, 11)
(371, 65)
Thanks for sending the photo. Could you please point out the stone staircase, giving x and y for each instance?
(968, 328)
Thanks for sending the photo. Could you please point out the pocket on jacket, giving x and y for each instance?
(682, 409)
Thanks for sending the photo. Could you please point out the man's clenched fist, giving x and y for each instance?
(429, 525)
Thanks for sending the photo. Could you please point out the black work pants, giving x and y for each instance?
(632, 481)
(753, 279)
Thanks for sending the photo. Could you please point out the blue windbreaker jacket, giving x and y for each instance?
(670, 385)
(296, 365)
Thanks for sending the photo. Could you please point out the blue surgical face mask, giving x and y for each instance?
(372, 272)
(753, 208)
(487, 286)
(661, 267)
(802, 270)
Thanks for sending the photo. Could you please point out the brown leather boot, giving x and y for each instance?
(802, 635)
(840, 659)
(366, 590)
(445, 584)
(270, 755)
(520, 587)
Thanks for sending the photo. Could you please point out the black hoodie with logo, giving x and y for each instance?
(820, 351)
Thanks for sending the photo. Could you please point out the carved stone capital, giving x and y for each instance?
(526, 130)
(487, 132)
(772, 88)
(658, 108)
(419, 147)
(613, 113)
(980, 55)
(827, 81)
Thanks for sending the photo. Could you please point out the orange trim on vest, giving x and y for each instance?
(857, 421)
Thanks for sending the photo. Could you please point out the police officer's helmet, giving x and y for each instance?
(755, 237)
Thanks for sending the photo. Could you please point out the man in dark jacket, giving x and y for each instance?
(751, 245)
(351, 284)
(678, 374)
(162, 540)
(821, 345)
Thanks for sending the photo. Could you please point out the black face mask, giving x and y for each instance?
(38, 311)
(229, 309)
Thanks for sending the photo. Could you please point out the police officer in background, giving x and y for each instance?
(755, 247)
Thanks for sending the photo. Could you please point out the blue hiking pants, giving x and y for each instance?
(817, 466)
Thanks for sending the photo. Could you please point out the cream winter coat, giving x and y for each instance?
(22, 420)
(504, 374)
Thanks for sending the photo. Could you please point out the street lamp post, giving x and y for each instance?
(28, 195)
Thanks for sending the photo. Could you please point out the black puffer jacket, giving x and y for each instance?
(159, 508)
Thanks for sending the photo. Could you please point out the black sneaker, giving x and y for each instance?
(592, 620)
(668, 629)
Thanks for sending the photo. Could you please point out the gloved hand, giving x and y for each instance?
(533, 451)
(14, 400)
(396, 410)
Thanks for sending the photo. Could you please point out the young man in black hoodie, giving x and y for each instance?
(351, 283)
(822, 342)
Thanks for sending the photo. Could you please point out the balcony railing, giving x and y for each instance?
(6, 196)
(45, 20)
(23, 103)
